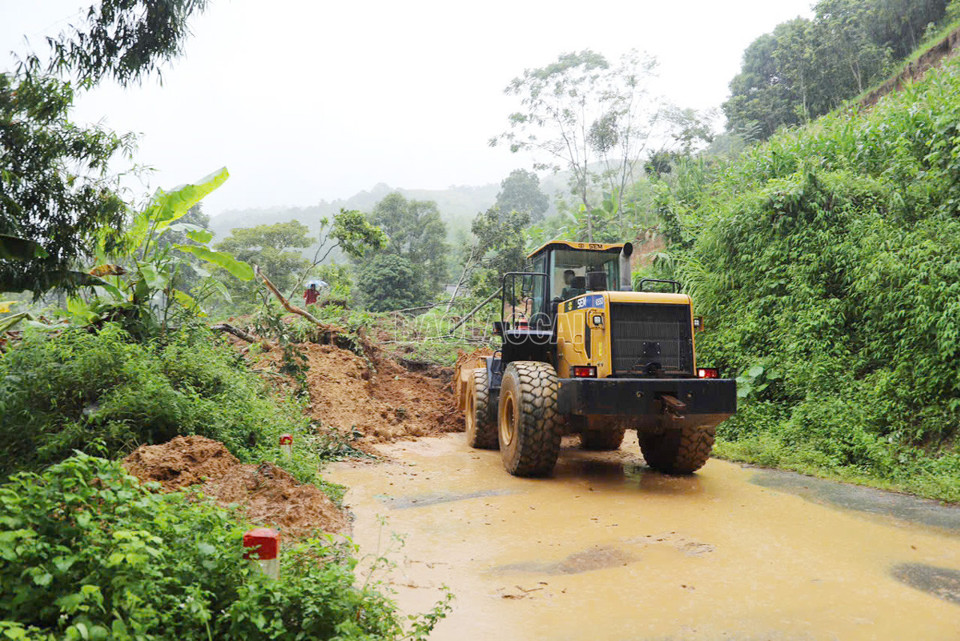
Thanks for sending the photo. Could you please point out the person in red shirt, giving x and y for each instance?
(310, 296)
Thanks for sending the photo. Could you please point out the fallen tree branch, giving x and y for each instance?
(475, 310)
(236, 331)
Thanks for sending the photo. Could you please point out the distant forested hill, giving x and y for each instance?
(458, 205)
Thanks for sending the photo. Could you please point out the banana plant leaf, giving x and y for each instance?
(173, 205)
(195, 233)
(169, 206)
(238, 268)
(188, 301)
(13, 248)
(157, 279)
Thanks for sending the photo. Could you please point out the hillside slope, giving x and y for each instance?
(827, 261)
(915, 69)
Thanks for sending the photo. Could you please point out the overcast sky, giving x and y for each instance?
(305, 100)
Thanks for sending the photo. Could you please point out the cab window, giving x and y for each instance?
(572, 272)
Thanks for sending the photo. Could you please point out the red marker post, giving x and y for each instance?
(286, 445)
(263, 546)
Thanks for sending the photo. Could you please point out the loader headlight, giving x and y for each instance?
(597, 320)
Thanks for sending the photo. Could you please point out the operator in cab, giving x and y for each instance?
(571, 288)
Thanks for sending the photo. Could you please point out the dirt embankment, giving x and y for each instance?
(933, 57)
(267, 494)
(375, 399)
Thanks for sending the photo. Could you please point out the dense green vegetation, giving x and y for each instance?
(806, 68)
(102, 392)
(416, 248)
(827, 261)
(87, 552)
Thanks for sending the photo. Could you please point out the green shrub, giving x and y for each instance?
(87, 552)
(100, 391)
(831, 255)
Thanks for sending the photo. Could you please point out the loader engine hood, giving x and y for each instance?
(627, 334)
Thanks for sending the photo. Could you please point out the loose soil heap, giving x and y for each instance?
(267, 494)
(376, 399)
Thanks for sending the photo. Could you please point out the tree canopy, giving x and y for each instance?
(273, 248)
(56, 191)
(581, 112)
(58, 196)
(805, 68)
(417, 234)
(388, 282)
(123, 39)
(520, 191)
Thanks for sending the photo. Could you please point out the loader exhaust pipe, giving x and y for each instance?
(625, 276)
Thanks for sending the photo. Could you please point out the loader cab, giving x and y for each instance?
(556, 272)
(575, 269)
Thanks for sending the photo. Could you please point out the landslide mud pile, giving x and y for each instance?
(267, 494)
(376, 400)
(371, 398)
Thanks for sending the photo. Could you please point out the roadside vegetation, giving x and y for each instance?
(825, 259)
(102, 392)
(87, 552)
(105, 346)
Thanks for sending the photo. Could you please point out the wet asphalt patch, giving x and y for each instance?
(940, 582)
(863, 499)
(435, 498)
(596, 558)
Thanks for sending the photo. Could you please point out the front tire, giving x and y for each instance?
(480, 421)
(530, 428)
(682, 450)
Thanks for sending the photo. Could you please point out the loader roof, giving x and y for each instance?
(566, 244)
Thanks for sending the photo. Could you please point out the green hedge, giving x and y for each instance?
(828, 264)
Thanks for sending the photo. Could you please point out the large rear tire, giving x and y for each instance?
(682, 450)
(602, 440)
(480, 419)
(530, 428)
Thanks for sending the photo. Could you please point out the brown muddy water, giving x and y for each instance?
(609, 549)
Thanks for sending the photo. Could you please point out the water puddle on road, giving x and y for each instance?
(608, 549)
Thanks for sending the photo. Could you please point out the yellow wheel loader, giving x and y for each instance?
(582, 353)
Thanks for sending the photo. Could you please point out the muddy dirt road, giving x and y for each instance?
(608, 549)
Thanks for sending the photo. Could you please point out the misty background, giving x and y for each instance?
(318, 106)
